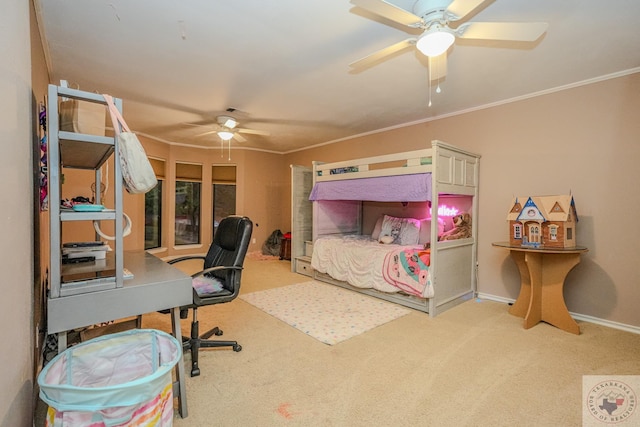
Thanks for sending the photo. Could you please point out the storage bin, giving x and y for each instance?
(285, 248)
(122, 379)
(82, 117)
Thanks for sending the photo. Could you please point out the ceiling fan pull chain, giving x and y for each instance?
(440, 72)
(429, 66)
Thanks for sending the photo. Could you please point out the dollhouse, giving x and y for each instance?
(543, 221)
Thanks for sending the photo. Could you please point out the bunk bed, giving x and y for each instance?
(346, 254)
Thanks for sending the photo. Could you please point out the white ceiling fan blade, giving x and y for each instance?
(195, 124)
(458, 9)
(227, 121)
(507, 31)
(239, 137)
(254, 132)
(207, 133)
(390, 11)
(382, 53)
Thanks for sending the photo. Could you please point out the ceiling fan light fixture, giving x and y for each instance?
(230, 123)
(227, 121)
(435, 42)
(225, 135)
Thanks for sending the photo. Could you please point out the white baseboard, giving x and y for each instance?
(577, 316)
(495, 298)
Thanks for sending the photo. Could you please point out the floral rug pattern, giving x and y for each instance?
(327, 313)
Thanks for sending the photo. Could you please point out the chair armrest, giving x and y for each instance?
(186, 258)
(218, 268)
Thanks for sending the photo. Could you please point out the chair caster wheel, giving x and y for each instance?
(217, 332)
(195, 372)
(237, 347)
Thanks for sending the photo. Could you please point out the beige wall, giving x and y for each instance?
(582, 140)
(39, 81)
(16, 227)
(260, 185)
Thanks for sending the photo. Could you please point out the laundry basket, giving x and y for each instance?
(122, 379)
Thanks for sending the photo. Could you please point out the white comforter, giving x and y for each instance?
(355, 259)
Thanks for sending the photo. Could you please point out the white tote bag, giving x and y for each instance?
(137, 172)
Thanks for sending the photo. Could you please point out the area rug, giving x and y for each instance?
(327, 313)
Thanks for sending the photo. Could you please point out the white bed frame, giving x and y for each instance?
(453, 263)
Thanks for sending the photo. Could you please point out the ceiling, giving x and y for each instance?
(283, 65)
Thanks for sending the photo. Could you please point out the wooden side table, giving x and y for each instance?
(542, 275)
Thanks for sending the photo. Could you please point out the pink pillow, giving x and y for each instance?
(206, 285)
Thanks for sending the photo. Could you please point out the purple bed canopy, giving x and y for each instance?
(397, 188)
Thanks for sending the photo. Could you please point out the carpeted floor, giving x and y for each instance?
(325, 312)
(473, 365)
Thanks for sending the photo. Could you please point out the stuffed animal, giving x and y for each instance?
(461, 228)
(386, 240)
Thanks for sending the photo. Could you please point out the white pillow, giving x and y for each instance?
(405, 231)
(425, 230)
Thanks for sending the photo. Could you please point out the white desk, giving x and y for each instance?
(155, 286)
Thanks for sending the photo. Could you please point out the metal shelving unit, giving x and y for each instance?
(89, 152)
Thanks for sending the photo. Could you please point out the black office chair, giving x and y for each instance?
(218, 282)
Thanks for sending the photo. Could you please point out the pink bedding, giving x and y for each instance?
(364, 263)
(408, 270)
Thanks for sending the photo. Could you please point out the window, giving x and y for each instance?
(153, 209)
(224, 202)
(224, 193)
(517, 231)
(153, 217)
(553, 232)
(187, 219)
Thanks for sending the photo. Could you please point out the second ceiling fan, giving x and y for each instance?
(227, 128)
(438, 19)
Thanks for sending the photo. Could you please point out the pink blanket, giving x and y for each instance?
(408, 269)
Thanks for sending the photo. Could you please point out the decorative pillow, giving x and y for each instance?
(375, 234)
(206, 285)
(405, 231)
(425, 230)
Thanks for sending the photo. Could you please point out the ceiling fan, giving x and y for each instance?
(226, 129)
(438, 20)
